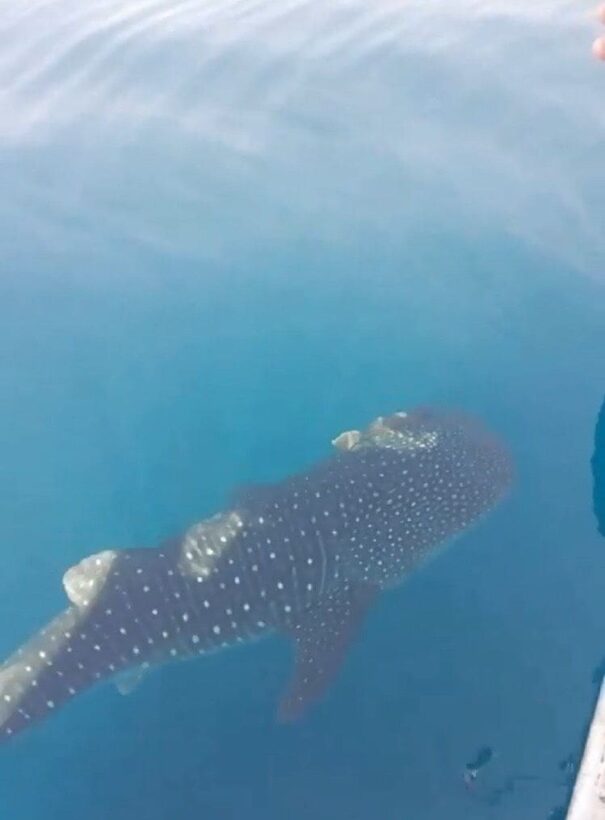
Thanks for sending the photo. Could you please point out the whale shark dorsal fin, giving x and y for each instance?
(322, 637)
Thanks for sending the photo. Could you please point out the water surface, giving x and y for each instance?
(233, 230)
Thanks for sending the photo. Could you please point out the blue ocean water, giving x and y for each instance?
(230, 231)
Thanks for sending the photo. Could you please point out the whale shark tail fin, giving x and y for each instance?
(63, 658)
(31, 685)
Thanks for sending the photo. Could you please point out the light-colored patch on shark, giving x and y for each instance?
(347, 440)
(84, 582)
(393, 432)
(127, 682)
(204, 543)
(388, 433)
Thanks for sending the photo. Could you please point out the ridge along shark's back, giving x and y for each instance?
(304, 557)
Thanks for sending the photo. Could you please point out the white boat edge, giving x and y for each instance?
(588, 796)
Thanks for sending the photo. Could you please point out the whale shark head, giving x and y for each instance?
(434, 473)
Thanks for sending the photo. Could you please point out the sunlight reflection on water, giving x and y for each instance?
(157, 124)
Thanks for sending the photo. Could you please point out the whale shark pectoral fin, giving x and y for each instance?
(322, 637)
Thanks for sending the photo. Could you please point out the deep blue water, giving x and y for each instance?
(173, 324)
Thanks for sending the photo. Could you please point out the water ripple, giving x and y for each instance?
(175, 119)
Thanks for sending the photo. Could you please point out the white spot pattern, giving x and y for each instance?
(367, 516)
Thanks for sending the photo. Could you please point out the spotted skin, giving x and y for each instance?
(305, 557)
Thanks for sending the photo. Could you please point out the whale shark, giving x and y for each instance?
(305, 557)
